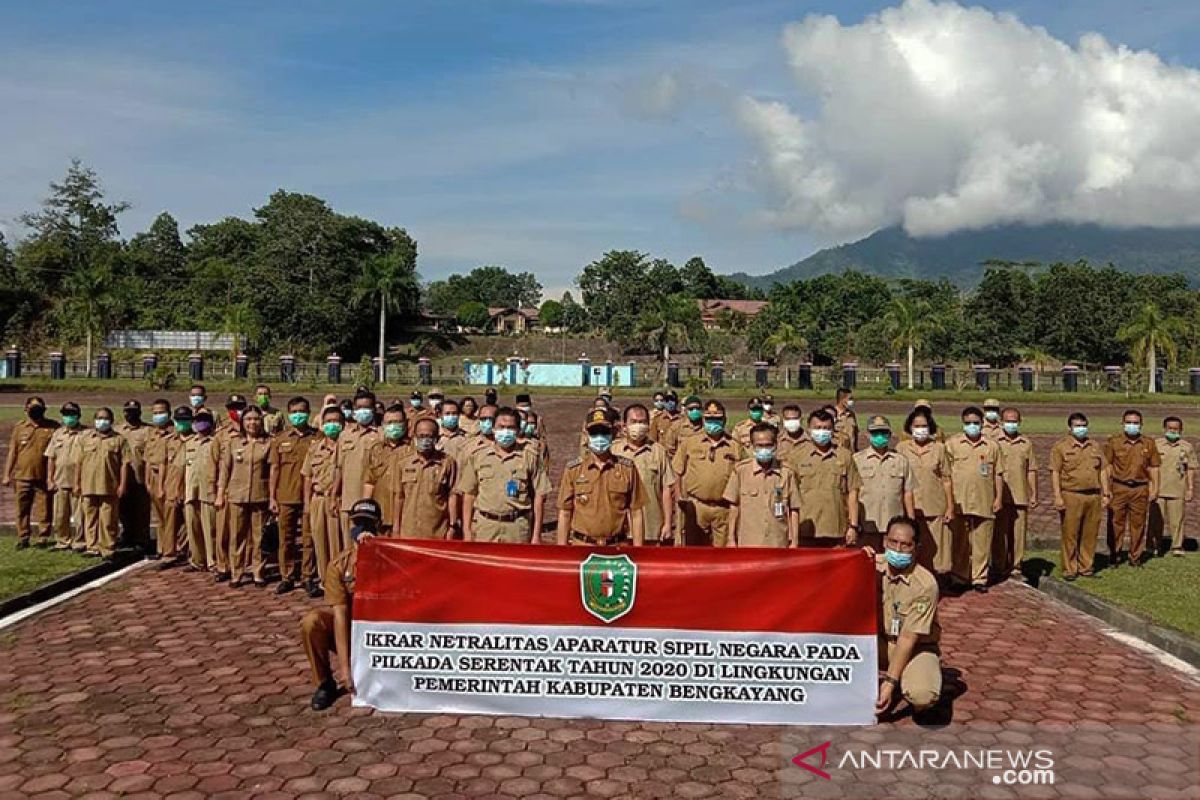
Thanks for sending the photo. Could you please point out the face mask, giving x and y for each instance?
(767, 407)
(434, 402)
(364, 416)
(196, 400)
(424, 444)
(671, 406)
(506, 437)
(972, 429)
(694, 414)
(103, 425)
(529, 430)
(359, 528)
(880, 439)
(485, 425)
(133, 416)
(71, 420)
(1133, 428)
(600, 442)
(332, 429)
(991, 416)
(415, 402)
(850, 404)
(1172, 436)
(160, 419)
(1079, 431)
(764, 455)
(821, 436)
(298, 418)
(659, 404)
(394, 430)
(1011, 428)
(791, 425)
(920, 434)
(234, 415)
(264, 400)
(523, 408)
(637, 431)
(36, 412)
(897, 559)
(347, 413)
(202, 427)
(714, 426)
(182, 426)
(450, 422)
(756, 414)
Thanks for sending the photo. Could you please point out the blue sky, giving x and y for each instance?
(531, 133)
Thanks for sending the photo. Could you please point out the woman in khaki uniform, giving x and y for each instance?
(245, 485)
(63, 455)
(934, 494)
(103, 460)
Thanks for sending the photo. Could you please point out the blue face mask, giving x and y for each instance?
(415, 402)
(1079, 431)
(196, 400)
(528, 429)
(821, 436)
(600, 442)
(506, 437)
(103, 425)
(898, 560)
(1011, 428)
(764, 455)
(671, 405)
(972, 429)
(160, 419)
(713, 426)
(1133, 428)
(364, 416)
(450, 422)
(485, 425)
(659, 404)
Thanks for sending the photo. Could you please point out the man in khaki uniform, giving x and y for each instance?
(601, 498)
(100, 475)
(273, 422)
(933, 499)
(658, 405)
(25, 466)
(382, 483)
(244, 483)
(887, 483)
(357, 442)
(227, 436)
(154, 467)
(134, 508)
(1177, 484)
(174, 487)
(770, 416)
(691, 423)
(791, 431)
(321, 501)
(977, 472)
(1133, 470)
(504, 487)
(909, 651)
(1079, 479)
(654, 469)
(762, 496)
(453, 440)
(661, 426)
(741, 431)
(415, 410)
(703, 464)
(845, 423)
(199, 494)
(297, 563)
(424, 505)
(828, 482)
(1020, 495)
(992, 427)
(62, 456)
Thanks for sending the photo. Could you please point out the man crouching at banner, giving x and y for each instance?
(601, 498)
(909, 655)
(327, 630)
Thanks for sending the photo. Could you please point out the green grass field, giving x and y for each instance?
(1165, 590)
(23, 570)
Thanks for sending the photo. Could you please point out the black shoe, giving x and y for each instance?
(22, 545)
(237, 582)
(41, 544)
(325, 696)
(190, 568)
(284, 586)
(1068, 578)
(314, 590)
(260, 584)
(153, 556)
(167, 564)
(980, 588)
(221, 577)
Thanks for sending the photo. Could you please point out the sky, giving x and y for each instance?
(538, 134)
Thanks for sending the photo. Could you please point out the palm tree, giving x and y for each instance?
(385, 279)
(240, 321)
(91, 303)
(673, 322)
(908, 323)
(1149, 333)
(1038, 358)
(786, 339)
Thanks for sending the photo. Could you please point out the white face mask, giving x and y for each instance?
(792, 425)
(850, 403)
(920, 434)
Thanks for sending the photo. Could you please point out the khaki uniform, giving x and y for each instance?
(704, 465)
(845, 430)
(973, 470)
(354, 461)
(1079, 465)
(424, 488)
(175, 487)
(296, 557)
(661, 427)
(600, 494)
(908, 604)
(273, 421)
(825, 480)
(468, 425)
(786, 444)
(155, 457)
(64, 450)
(324, 518)
(1129, 461)
(674, 436)
(454, 445)
(382, 475)
(741, 433)
(1169, 511)
(224, 438)
(245, 481)
(134, 507)
(993, 431)
(199, 495)
(765, 496)
(1012, 523)
(317, 627)
(885, 480)
(26, 466)
(655, 471)
(102, 459)
(931, 466)
(504, 484)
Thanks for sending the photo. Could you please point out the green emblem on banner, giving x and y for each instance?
(608, 585)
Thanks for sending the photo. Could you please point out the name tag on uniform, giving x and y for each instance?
(985, 469)
(778, 505)
(511, 487)
(895, 629)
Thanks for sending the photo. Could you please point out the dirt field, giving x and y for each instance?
(562, 417)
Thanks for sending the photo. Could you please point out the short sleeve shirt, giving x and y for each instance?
(102, 457)
(824, 480)
(247, 470)
(1078, 464)
(354, 459)
(932, 467)
(1019, 460)
(425, 488)
(765, 497)
(339, 579)
(1178, 458)
(288, 452)
(1131, 459)
(504, 481)
(599, 494)
(973, 470)
(885, 479)
(64, 449)
(28, 449)
(909, 604)
(320, 465)
(654, 468)
(704, 464)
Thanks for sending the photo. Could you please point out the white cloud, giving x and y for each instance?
(943, 117)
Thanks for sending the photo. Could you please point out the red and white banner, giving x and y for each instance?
(663, 634)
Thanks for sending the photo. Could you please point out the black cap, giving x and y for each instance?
(671, 395)
(203, 413)
(366, 509)
(70, 408)
(597, 418)
(183, 414)
(133, 405)
(416, 395)
(236, 401)
(524, 398)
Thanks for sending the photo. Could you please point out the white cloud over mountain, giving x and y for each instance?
(943, 117)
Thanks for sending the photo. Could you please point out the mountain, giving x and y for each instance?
(892, 253)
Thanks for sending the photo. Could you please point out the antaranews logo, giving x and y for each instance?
(1002, 766)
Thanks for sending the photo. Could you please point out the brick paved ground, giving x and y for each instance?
(164, 685)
